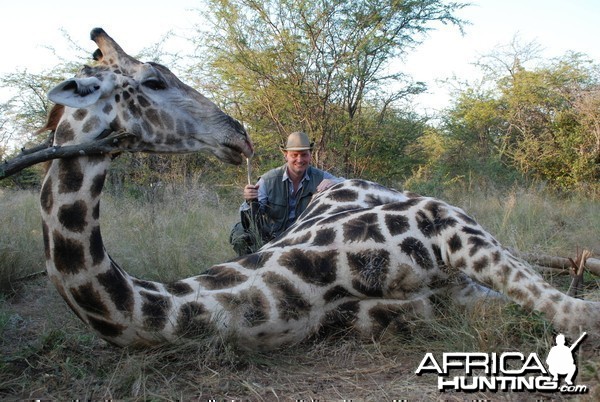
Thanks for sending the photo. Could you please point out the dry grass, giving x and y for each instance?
(536, 220)
(21, 245)
(47, 353)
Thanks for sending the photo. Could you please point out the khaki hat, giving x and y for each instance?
(298, 141)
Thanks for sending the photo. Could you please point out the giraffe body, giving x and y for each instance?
(361, 256)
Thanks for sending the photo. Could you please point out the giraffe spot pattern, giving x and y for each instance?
(89, 299)
(254, 261)
(535, 291)
(374, 200)
(335, 293)
(519, 276)
(249, 305)
(91, 124)
(306, 224)
(318, 268)
(549, 310)
(473, 231)
(145, 284)
(345, 208)
(396, 224)
(114, 283)
(221, 277)
(179, 288)
(193, 320)
(343, 195)
(152, 116)
(364, 227)
(80, 114)
(481, 264)
(417, 251)
(155, 309)
(324, 237)
(96, 246)
(467, 219)
(97, 185)
(46, 198)
(517, 294)
(341, 318)
(385, 316)
(68, 254)
(73, 216)
(292, 241)
(315, 210)
(405, 281)
(369, 269)
(455, 243)
(401, 205)
(66, 298)
(434, 219)
(290, 303)
(437, 253)
(64, 133)
(477, 243)
(143, 101)
(46, 236)
(167, 120)
(106, 328)
(504, 275)
(70, 175)
(96, 211)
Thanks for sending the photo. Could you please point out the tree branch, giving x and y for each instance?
(113, 143)
(592, 264)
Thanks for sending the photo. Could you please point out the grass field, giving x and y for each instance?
(47, 353)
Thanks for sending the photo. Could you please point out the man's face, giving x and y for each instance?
(297, 161)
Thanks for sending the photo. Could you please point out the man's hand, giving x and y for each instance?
(250, 192)
(325, 184)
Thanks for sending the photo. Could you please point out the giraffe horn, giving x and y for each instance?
(109, 51)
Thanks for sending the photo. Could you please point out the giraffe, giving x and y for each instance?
(362, 256)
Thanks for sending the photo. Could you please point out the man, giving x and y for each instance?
(280, 196)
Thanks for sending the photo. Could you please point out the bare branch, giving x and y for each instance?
(113, 143)
(592, 264)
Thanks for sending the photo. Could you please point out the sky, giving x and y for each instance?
(28, 27)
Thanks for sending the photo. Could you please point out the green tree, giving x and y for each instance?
(541, 121)
(319, 66)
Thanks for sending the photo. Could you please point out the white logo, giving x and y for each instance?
(509, 371)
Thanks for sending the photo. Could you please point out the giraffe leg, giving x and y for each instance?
(468, 293)
(479, 256)
(371, 317)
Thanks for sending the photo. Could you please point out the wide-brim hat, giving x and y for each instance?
(298, 141)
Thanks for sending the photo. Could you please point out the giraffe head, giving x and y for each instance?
(147, 100)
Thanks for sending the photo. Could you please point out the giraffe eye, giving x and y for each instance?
(154, 84)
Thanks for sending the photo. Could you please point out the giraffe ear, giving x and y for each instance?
(77, 92)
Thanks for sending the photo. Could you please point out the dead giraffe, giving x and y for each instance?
(362, 255)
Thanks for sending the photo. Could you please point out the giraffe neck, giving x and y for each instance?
(120, 308)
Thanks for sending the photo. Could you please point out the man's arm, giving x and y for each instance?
(328, 181)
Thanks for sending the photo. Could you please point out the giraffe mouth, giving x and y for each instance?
(234, 151)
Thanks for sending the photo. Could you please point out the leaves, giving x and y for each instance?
(320, 67)
(543, 121)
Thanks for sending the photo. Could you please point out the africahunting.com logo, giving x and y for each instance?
(509, 371)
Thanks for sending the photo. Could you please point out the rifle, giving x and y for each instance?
(577, 341)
